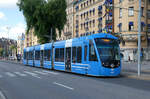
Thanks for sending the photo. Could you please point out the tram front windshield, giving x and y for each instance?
(109, 52)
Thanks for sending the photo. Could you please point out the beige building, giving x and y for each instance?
(31, 39)
(114, 16)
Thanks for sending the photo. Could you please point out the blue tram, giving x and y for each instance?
(97, 55)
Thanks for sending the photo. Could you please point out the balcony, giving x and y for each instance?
(67, 33)
(109, 21)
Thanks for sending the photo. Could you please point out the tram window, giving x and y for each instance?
(73, 54)
(92, 53)
(85, 53)
(47, 55)
(30, 55)
(37, 55)
(24, 55)
(79, 54)
(61, 55)
(57, 54)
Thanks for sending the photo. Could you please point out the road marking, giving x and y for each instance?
(51, 72)
(32, 74)
(10, 74)
(20, 74)
(63, 86)
(2, 96)
(41, 72)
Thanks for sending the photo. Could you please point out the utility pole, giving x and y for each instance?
(139, 40)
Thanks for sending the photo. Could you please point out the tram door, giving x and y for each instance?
(68, 59)
(41, 57)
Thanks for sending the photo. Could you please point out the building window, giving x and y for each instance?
(148, 13)
(90, 1)
(120, 27)
(142, 11)
(120, 12)
(148, 28)
(90, 23)
(142, 26)
(93, 1)
(131, 26)
(81, 16)
(93, 23)
(131, 11)
(84, 4)
(87, 3)
(81, 27)
(81, 6)
(93, 12)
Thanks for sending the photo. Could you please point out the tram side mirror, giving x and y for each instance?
(121, 55)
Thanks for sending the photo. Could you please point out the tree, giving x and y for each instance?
(13, 48)
(44, 16)
(1, 51)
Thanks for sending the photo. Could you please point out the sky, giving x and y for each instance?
(12, 22)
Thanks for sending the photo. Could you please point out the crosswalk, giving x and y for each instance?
(35, 74)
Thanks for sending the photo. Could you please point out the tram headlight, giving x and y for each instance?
(112, 65)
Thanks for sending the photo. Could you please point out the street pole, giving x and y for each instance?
(139, 40)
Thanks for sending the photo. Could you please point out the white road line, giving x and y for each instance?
(2, 96)
(20, 74)
(63, 86)
(41, 72)
(10, 74)
(51, 72)
(32, 74)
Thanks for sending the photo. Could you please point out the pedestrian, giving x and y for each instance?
(129, 59)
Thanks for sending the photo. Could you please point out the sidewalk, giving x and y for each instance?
(11, 61)
(129, 69)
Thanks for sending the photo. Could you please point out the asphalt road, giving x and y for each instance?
(22, 82)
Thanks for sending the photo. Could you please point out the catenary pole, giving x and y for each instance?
(139, 40)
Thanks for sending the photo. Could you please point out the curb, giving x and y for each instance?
(135, 76)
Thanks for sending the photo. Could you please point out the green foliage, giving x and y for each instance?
(1, 51)
(44, 16)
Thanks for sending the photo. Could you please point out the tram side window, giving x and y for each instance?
(24, 55)
(47, 55)
(85, 53)
(92, 53)
(74, 54)
(57, 55)
(61, 56)
(37, 55)
(30, 55)
(79, 54)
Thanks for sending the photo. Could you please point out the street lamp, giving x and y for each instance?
(8, 29)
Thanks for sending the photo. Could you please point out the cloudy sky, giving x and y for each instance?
(12, 23)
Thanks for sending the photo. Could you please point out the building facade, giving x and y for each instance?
(30, 39)
(7, 44)
(117, 17)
